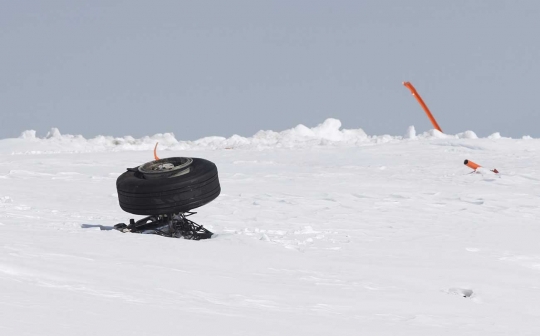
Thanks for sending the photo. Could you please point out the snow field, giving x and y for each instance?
(318, 232)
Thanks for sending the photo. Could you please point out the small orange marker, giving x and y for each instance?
(475, 166)
(155, 154)
(472, 165)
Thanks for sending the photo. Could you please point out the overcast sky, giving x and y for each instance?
(200, 68)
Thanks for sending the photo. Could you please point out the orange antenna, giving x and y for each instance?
(424, 106)
(475, 166)
(155, 154)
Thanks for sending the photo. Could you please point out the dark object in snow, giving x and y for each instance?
(168, 186)
(175, 226)
(463, 292)
(167, 190)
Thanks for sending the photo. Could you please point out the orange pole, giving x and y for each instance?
(475, 166)
(424, 106)
(155, 154)
(471, 164)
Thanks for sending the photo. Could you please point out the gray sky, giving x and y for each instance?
(200, 68)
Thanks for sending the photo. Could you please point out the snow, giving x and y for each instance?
(319, 231)
(411, 133)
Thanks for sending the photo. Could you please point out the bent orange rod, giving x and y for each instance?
(155, 154)
(424, 106)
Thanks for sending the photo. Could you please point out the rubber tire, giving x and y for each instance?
(140, 196)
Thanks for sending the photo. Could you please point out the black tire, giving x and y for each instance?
(167, 195)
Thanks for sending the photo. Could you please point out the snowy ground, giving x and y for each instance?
(318, 232)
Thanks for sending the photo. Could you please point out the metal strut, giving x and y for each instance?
(171, 225)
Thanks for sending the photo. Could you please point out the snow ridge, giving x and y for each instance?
(328, 133)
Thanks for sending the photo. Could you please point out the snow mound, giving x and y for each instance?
(411, 133)
(29, 134)
(467, 135)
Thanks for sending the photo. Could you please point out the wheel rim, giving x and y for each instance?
(165, 168)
